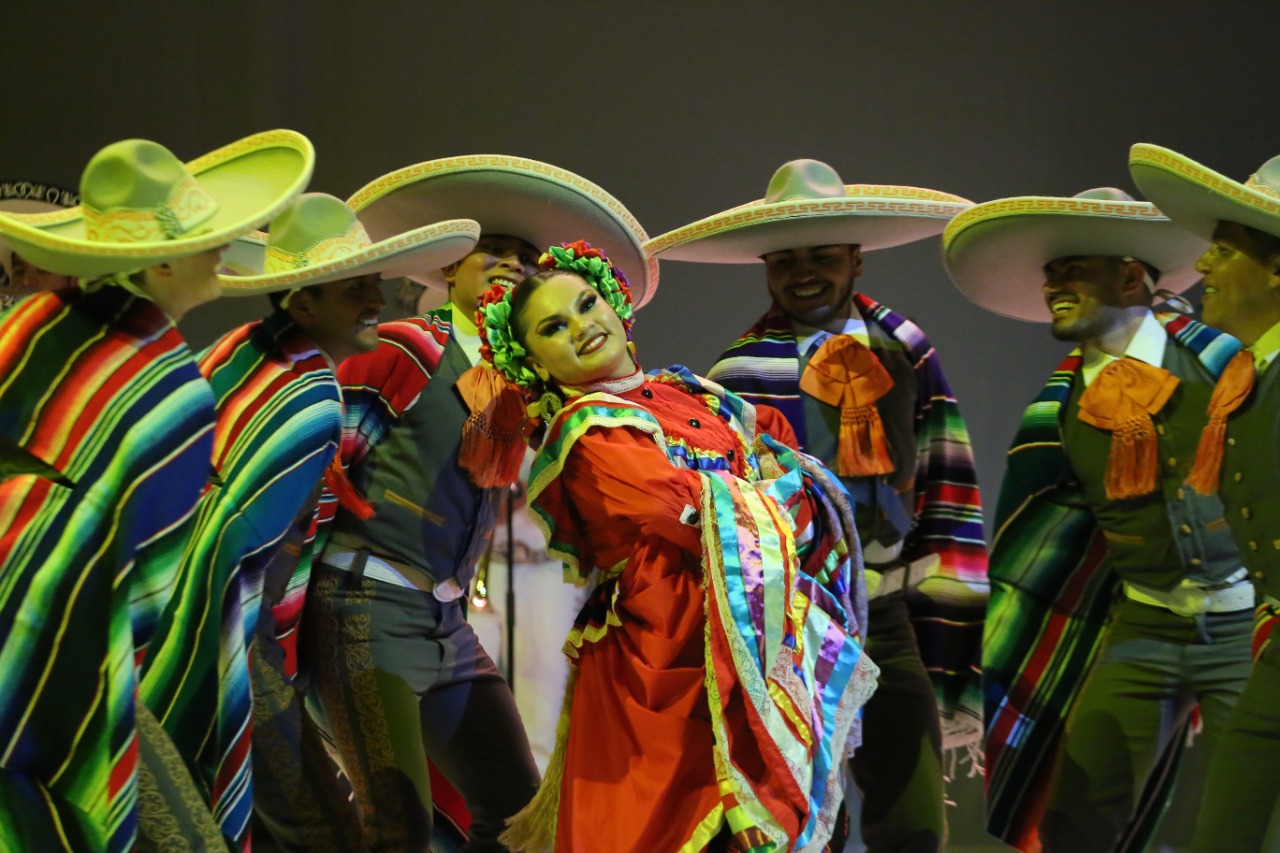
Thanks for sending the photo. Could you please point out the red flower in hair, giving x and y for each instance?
(580, 249)
(492, 296)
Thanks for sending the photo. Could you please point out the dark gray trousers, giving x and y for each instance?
(298, 796)
(400, 677)
(1242, 795)
(898, 768)
(1153, 668)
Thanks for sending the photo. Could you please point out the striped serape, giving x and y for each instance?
(278, 426)
(102, 391)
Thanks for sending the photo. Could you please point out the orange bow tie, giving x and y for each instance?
(1231, 391)
(846, 374)
(1122, 400)
(349, 497)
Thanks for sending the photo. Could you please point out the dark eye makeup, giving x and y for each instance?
(555, 323)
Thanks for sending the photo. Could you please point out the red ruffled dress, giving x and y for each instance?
(638, 771)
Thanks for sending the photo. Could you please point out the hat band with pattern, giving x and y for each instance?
(186, 208)
(281, 260)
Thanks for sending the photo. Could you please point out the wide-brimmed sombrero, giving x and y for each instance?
(807, 204)
(996, 251)
(140, 206)
(319, 239)
(30, 197)
(537, 202)
(1198, 198)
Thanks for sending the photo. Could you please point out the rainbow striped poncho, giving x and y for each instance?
(1052, 589)
(278, 426)
(763, 366)
(101, 392)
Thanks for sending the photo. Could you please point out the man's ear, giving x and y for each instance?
(450, 272)
(1135, 279)
(155, 273)
(301, 307)
(857, 261)
(1273, 271)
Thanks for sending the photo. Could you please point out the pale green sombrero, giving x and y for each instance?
(1198, 198)
(319, 239)
(537, 202)
(807, 204)
(139, 205)
(996, 251)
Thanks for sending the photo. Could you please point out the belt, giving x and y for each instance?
(876, 554)
(1188, 599)
(902, 576)
(363, 564)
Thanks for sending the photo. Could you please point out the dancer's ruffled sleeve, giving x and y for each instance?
(602, 491)
(772, 421)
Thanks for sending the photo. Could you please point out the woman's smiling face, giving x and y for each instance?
(572, 335)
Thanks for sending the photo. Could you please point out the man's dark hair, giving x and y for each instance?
(277, 296)
(1268, 245)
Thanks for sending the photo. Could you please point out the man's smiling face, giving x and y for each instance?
(1241, 270)
(496, 259)
(814, 285)
(1083, 294)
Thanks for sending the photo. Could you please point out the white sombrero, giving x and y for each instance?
(808, 205)
(1198, 198)
(534, 201)
(140, 206)
(996, 251)
(319, 239)
(30, 197)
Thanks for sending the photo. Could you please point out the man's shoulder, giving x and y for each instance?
(419, 334)
(885, 320)
(411, 343)
(304, 388)
(260, 355)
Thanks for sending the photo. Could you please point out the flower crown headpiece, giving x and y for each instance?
(498, 345)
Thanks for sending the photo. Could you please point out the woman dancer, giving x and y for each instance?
(715, 670)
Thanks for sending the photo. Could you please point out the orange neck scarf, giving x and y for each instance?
(847, 374)
(1231, 391)
(1121, 400)
(493, 442)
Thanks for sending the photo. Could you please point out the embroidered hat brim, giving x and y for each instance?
(1198, 198)
(874, 216)
(537, 202)
(434, 245)
(996, 252)
(251, 180)
(30, 197)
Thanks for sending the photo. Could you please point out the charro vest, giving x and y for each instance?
(429, 513)
(878, 519)
(1173, 533)
(1250, 465)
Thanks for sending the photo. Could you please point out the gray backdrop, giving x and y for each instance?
(680, 109)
